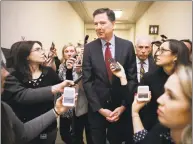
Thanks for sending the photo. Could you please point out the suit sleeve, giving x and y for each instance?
(131, 72)
(88, 81)
(15, 91)
(28, 131)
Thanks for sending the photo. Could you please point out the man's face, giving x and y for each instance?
(143, 49)
(103, 26)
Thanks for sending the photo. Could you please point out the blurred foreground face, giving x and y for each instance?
(174, 109)
(4, 74)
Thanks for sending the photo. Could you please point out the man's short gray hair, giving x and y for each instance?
(140, 38)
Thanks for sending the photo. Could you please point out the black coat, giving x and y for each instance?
(156, 136)
(155, 80)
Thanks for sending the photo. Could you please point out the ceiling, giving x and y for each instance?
(131, 10)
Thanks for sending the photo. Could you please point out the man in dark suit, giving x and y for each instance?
(144, 60)
(109, 107)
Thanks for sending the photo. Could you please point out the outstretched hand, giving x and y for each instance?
(138, 105)
(118, 73)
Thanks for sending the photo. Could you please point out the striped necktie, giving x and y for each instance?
(142, 70)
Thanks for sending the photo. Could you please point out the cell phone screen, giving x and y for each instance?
(115, 64)
(69, 96)
(52, 46)
(142, 95)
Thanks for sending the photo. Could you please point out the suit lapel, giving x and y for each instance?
(118, 50)
(100, 59)
(150, 59)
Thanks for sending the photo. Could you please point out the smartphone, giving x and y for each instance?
(69, 96)
(52, 46)
(74, 56)
(143, 93)
(115, 64)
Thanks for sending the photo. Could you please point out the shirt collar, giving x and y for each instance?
(112, 41)
(139, 61)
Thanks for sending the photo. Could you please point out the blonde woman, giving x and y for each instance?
(174, 112)
(72, 124)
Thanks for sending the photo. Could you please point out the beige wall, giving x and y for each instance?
(173, 18)
(122, 34)
(45, 21)
(132, 34)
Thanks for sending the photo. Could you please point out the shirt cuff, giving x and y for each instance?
(139, 136)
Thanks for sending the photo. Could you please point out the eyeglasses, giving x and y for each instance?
(38, 49)
(161, 50)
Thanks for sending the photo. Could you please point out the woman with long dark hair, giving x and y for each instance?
(27, 59)
(13, 131)
(168, 56)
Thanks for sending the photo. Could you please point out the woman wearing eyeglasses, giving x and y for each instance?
(27, 59)
(168, 56)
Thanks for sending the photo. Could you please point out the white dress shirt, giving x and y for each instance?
(145, 66)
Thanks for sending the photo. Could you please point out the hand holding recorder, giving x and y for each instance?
(142, 97)
(118, 70)
(70, 96)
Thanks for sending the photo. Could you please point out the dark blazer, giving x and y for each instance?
(156, 136)
(152, 65)
(14, 91)
(155, 80)
(96, 84)
(28, 131)
(22, 109)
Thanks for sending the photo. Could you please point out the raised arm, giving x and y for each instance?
(15, 91)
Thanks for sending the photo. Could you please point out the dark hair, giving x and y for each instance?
(110, 13)
(19, 53)
(188, 41)
(179, 49)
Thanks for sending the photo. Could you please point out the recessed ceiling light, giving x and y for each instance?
(118, 13)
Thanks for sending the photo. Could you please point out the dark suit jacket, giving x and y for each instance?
(153, 136)
(26, 132)
(96, 84)
(155, 80)
(152, 65)
(14, 91)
